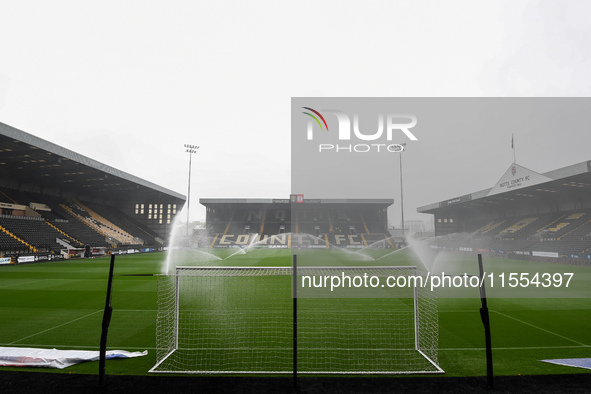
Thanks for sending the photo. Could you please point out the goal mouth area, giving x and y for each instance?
(160, 368)
(240, 321)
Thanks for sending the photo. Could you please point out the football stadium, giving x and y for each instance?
(289, 293)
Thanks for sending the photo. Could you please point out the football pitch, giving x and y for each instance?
(60, 305)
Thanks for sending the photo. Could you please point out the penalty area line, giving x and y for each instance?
(541, 329)
(459, 349)
(58, 326)
(17, 283)
(91, 347)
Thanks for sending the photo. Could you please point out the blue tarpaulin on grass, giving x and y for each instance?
(571, 362)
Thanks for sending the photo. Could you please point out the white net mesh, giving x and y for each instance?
(240, 320)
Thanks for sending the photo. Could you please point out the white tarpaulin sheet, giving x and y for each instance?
(52, 358)
(571, 362)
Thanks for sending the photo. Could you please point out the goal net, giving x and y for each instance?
(241, 320)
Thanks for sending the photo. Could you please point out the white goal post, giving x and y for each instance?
(218, 320)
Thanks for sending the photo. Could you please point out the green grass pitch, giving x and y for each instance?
(60, 305)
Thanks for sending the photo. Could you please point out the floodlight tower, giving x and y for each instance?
(190, 149)
(401, 193)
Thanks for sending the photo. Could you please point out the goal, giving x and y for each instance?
(241, 320)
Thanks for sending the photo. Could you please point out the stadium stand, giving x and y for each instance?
(148, 236)
(53, 199)
(566, 233)
(63, 222)
(57, 224)
(280, 223)
(548, 220)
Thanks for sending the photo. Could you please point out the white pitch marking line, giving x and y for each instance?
(541, 329)
(21, 283)
(457, 349)
(460, 311)
(58, 326)
(44, 345)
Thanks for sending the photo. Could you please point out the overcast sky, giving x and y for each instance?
(128, 83)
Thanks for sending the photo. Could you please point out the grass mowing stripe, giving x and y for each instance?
(80, 289)
(463, 311)
(44, 345)
(513, 348)
(17, 283)
(288, 348)
(58, 326)
(540, 328)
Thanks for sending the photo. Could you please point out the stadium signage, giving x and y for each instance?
(48, 257)
(544, 254)
(456, 200)
(231, 240)
(515, 182)
(4, 260)
(517, 177)
(389, 125)
(12, 206)
(26, 259)
(353, 240)
(526, 253)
